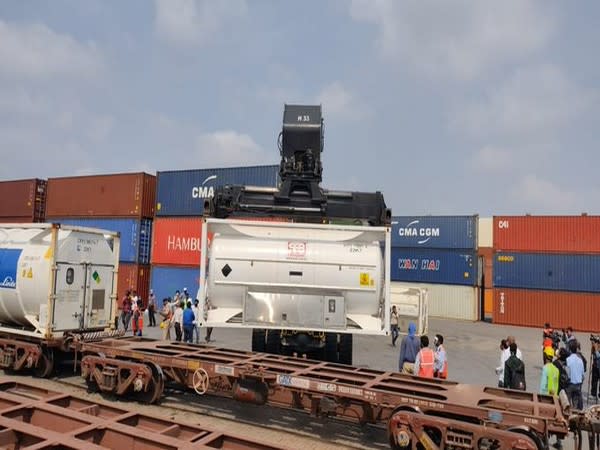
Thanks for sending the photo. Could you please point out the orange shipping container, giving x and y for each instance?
(176, 241)
(134, 277)
(487, 254)
(117, 195)
(547, 234)
(533, 308)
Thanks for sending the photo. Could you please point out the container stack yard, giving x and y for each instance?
(546, 270)
(116, 202)
(177, 226)
(439, 253)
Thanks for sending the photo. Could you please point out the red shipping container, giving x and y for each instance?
(487, 254)
(176, 241)
(118, 195)
(533, 308)
(547, 234)
(134, 277)
(22, 201)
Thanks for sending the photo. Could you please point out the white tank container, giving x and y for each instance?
(54, 279)
(318, 277)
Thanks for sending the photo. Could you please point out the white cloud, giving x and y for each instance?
(340, 103)
(535, 194)
(193, 22)
(534, 101)
(36, 51)
(492, 159)
(229, 148)
(460, 38)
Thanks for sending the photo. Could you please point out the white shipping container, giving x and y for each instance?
(485, 235)
(55, 279)
(448, 301)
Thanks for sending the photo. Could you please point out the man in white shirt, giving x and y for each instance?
(197, 320)
(505, 345)
(177, 321)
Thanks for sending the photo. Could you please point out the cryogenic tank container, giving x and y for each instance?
(54, 279)
(296, 276)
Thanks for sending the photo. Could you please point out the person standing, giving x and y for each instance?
(440, 367)
(209, 330)
(197, 320)
(126, 310)
(394, 325)
(549, 383)
(177, 321)
(151, 309)
(568, 337)
(576, 374)
(166, 315)
(135, 319)
(188, 323)
(409, 347)
(514, 370)
(425, 360)
(504, 355)
(595, 371)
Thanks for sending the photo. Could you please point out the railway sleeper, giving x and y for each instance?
(144, 381)
(408, 430)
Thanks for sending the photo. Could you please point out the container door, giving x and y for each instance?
(98, 304)
(70, 294)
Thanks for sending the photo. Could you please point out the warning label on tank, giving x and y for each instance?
(9, 258)
(365, 279)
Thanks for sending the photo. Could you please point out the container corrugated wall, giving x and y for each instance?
(117, 195)
(182, 192)
(533, 308)
(134, 277)
(22, 201)
(136, 235)
(166, 280)
(562, 272)
(485, 232)
(176, 241)
(434, 266)
(450, 301)
(547, 234)
(447, 232)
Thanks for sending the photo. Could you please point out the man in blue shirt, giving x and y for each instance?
(188, 323)
(410, 346)
(576, 374)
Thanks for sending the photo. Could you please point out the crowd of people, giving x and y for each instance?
(179, 314)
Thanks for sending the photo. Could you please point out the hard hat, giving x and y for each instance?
(549, 351)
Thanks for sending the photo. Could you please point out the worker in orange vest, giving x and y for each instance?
(425, 359)
(440, 368)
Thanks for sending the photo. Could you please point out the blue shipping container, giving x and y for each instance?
(136, 235)
(434, 266)
(166, 280)
(182, 192)
(450, 232)
(559, 272)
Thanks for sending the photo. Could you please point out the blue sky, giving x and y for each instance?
(446, 107)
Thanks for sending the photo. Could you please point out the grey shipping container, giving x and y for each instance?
(182, 192)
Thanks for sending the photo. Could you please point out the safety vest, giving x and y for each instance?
(426, 363)
(444, 372)
(552, 373)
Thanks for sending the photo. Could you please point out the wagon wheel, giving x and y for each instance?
(155, 387)
(536, 438)
(405, 442)
(200, 381)
(45, 364)
(92, 385)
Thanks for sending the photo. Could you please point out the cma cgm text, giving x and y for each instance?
(203, 192)
(419, 232)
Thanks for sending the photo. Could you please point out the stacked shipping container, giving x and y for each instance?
(439, 253)
(119, 202)
(546, 270)
(177, 226)
(485, 252)
(22, 201)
